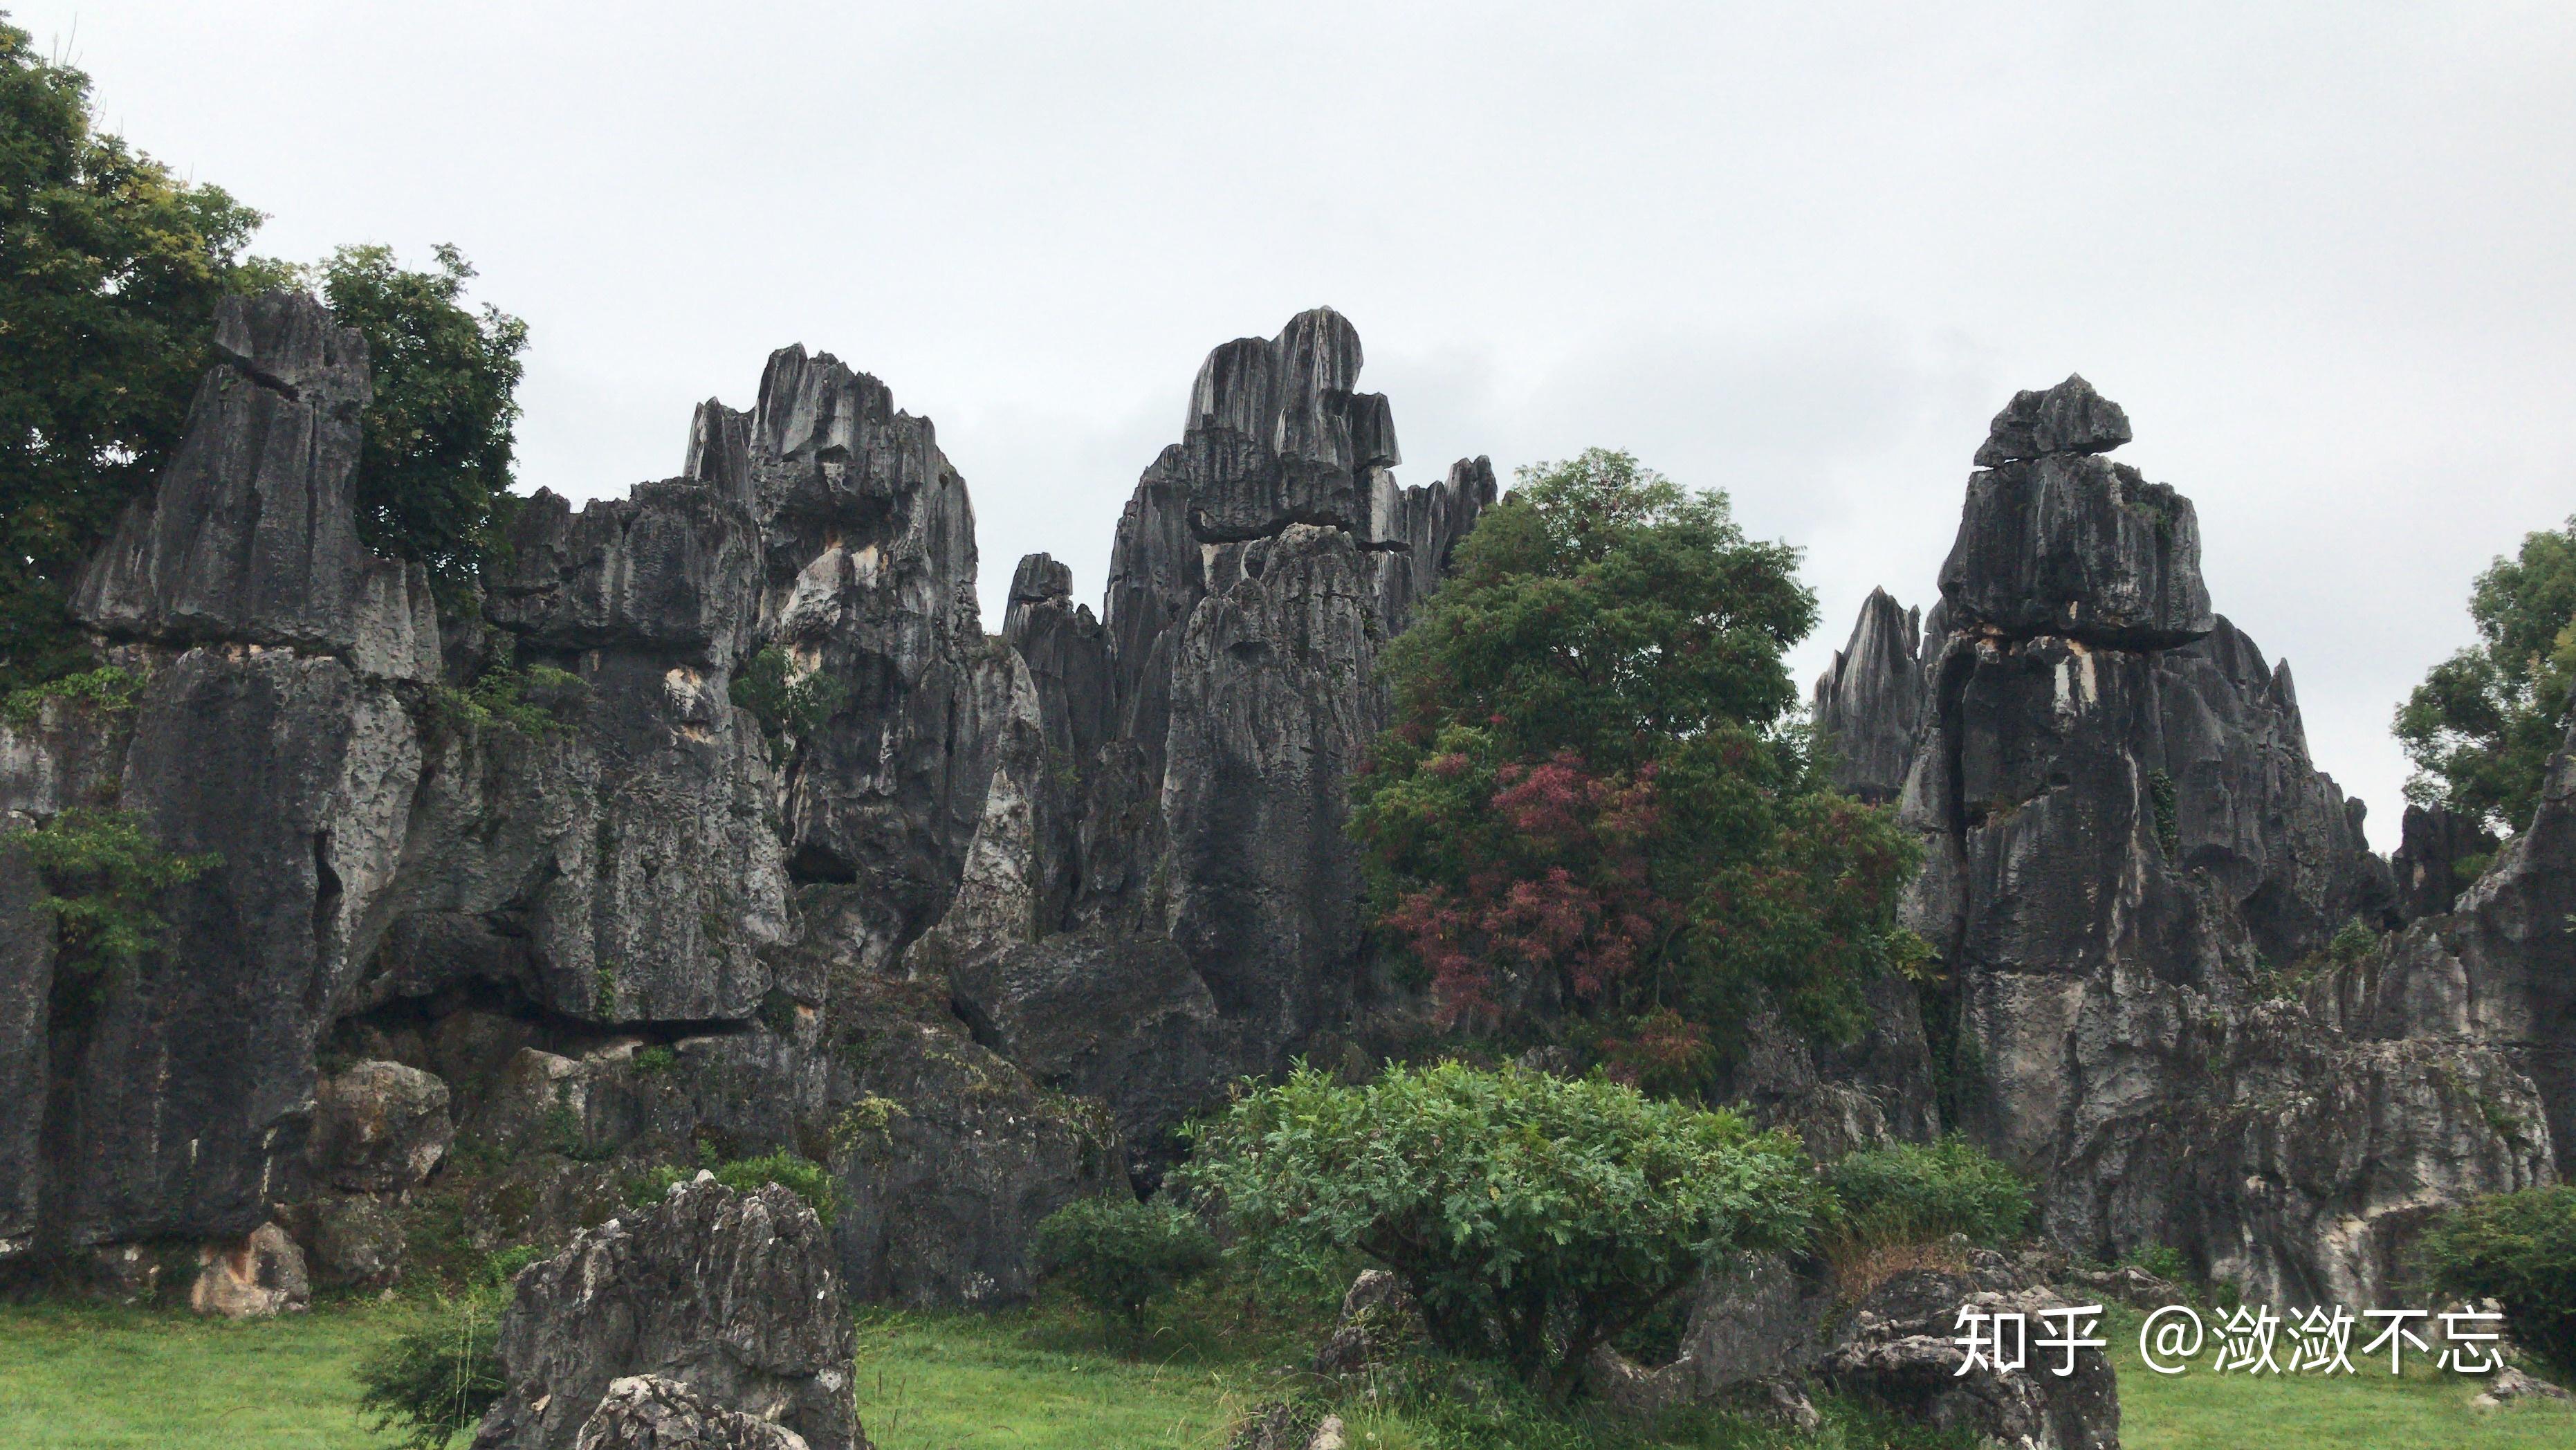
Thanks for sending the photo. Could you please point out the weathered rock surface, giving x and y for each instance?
(730, 1295)
(251, 534)
(2126, 846)
(1195, 891)
(2434, 851)
(2057, 540)
(1870, 701)
(261, 1276)
(1900, 1349)
(380, 1127)
(648, 1412)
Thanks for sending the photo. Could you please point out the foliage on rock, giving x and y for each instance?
(783, 701)
(806, 1179)
(1595, 797)
(1120, 1254)
(2482, 726)
(102, 874)
(1917, 1191)
(110, 266)
(1531, 1216)
(2518, 1249)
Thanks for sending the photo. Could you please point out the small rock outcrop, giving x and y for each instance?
(648, 1412)
(261, 1276)
(380, 1127)
(1900, 1349)
(729, 1297)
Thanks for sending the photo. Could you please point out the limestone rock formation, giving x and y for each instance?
(380, 1126)
(1899, 1349)
(1869, 702)
(648, 1412)
(261, 1276)
(251, 534)
(2127, 852)
(731, 1296)
(1196, 893)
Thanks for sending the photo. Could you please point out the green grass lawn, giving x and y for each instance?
(77, 1378)
(2424, 1410)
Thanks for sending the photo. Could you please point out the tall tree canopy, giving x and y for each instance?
(434, 471)
(109, 272)
(1597, 808)
(2481, 727)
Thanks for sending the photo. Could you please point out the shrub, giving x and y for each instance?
(2352, 942)
(1533, 1217)
(1119, 1254)
(532, 700)
(2518, 1249)
(785, 702)
(806, 1179)
(433, 1382)
(103, 876)
(1911, 1193)
(656, 1059)
(109, 688)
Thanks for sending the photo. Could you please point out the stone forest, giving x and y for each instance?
(975, 925)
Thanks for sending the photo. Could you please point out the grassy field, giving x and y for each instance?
(88, 1379)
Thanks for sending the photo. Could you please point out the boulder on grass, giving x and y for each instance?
(1900, 1351)
(730, 1295)
(260, 1276)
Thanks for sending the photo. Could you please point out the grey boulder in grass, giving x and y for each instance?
(729, 1296)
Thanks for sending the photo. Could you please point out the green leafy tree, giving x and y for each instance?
(2482, 726)
(1120, 1255)
(2518, 1249)
(110, 268)
(434, 470)
(1533, 1217)
(1596, 800)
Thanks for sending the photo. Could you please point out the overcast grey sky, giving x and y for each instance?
(2325, 254)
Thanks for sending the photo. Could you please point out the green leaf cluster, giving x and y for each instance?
(1120, 1254)
(110, 268)
(782, 700)
(103, 875)
(533, 700)
(1534, 1217)
(2518, 1249)
(434, 466)
(1920, 1193)
(2482, 726)
(110, 688)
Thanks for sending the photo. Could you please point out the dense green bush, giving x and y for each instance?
(806, 1179)
(1533, 1217)
(434, 1381)
(1910, 1192)
(2518, 1249)
(1120, 1255)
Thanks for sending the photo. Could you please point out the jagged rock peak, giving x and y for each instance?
(1275, 435)
(814, 407)
(250, 534)
(2054, 540)
(2068, 418)
(1867, 703)
(1039, 579)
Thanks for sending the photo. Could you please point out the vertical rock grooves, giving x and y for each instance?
(2129, 863)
